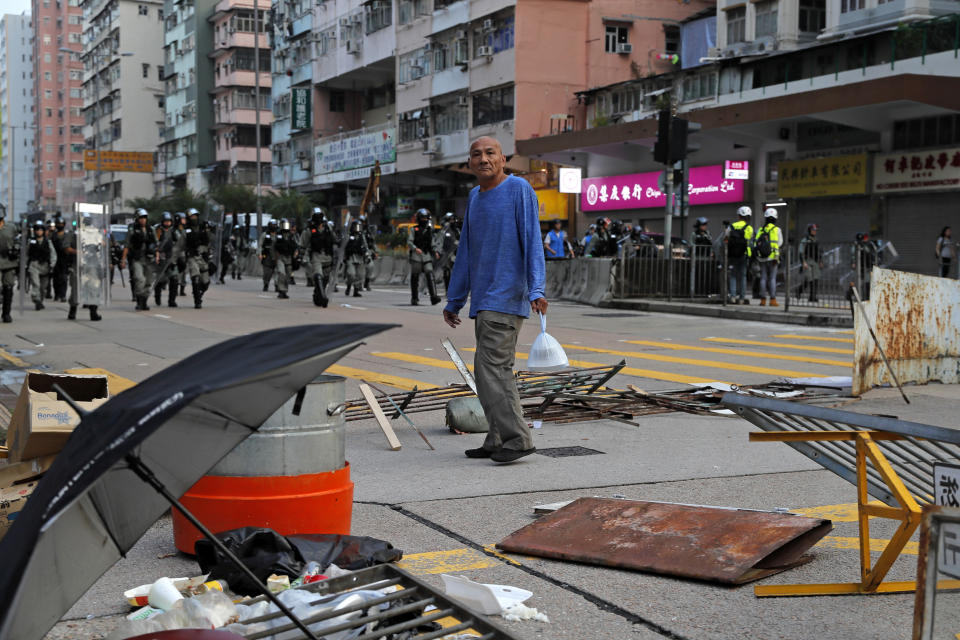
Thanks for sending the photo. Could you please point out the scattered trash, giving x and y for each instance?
(488, 599)
(277, 583)
(163, 594)
(546, 354)
(144, 613)
(537, 424)
(519, 612)
(720, 544)
(164, 556)
(210, 610)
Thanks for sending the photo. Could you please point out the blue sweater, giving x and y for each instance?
(500, 262)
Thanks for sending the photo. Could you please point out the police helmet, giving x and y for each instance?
(181, 215)
(51, 224)
(701, 221)
(39, 224)
(355, 226)
(318, 215)
(285, 225)
(770, 212)
(449, 216)
(744, 212)
(192, 212)
(60, 223)
(166, 216)
(861, 237)
(142, 213)
(272, 224)
(423, 215)
(812, 227)
(601, 222)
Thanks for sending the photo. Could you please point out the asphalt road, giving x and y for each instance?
(446, 512)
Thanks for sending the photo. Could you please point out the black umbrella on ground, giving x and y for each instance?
(131, 458)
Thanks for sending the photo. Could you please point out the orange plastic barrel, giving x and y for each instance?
(290, 476)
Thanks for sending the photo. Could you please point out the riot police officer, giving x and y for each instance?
(423, 244)
(267, 259)
(197, 247)
(450, 240)
(284, 253)
(167, 238)
(317, 244)
(354, 254)
(141, 253)
(41, 259)
(59, 237)
(180, 250)
(90, 274)
(240, 249)
(371, 255)
(9, 263)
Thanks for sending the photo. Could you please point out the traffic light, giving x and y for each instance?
(661, 150)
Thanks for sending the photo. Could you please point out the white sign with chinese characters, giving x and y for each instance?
(946, 486)
(917, 170)
(736, 170)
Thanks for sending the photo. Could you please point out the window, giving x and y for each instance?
(851, 5)
(614, 36)
(414, 125)
(49, 113)
(76, 74)
(46, 39)
(146, 70)
(246, 98)
(766, 24)
(76, 130)
(46, 58)
(499, 36)
(49, 131)
(450, 116)
(736, 25)
(414, 65)
(493, 106)
(933, 131)
(671, 38)
(76, 147)
(338, 101)
(160, 15)
(143, 10)
(48, 94)
(699, 87)
(813, 16)
(377, 15)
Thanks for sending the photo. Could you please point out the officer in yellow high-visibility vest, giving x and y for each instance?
(739, 240)
(766, 249)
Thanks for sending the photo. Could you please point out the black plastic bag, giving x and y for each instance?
(266, 552)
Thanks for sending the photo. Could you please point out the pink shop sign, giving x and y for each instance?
(640, 191)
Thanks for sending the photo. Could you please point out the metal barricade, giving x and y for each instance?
(692, 273)
(825, 283)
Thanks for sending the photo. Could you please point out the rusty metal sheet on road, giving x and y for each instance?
(917, 321)
(719, 544)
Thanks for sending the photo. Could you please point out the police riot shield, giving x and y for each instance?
(338, 259)
(216, 252)
(22, 272)
(91, 275)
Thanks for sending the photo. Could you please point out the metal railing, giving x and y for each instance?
(692, 272)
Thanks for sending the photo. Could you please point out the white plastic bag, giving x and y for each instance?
(546, 354)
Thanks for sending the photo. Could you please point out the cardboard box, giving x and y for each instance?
(42, 421)
(12, 501)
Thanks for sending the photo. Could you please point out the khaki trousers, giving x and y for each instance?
(497, 335)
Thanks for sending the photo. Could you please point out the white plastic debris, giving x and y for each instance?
(488, 599)
(520, 612)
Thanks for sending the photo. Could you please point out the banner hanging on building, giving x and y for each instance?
(917, 170)
(815, 177)
(300, 106)
(640, 190)
(135, 161)
(351, 156)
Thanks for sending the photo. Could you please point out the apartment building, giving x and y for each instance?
(17, 127)
(847, 111)
(292, 94)
(187, 153)
(236, 98)
(58, 105)
(122, 92)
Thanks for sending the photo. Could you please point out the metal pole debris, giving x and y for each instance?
(876, 341)
(461, 366)
(405, 417)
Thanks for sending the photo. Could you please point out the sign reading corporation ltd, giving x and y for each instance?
(640, 191)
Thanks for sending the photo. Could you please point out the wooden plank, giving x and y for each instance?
(381, 418)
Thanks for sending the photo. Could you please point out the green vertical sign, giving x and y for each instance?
(300, 101)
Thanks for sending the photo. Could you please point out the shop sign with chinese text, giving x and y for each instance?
(815, 177)
(300, 105)
(640, 190)
(917, 170)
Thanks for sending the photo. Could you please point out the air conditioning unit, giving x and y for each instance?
(301, 155)
(488, 25)
(463, 101)
(428, 46)
(624, 47)
(484, 51)
(421, 132)
(461, 35)
(354, 46)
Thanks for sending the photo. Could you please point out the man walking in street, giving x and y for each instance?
(738, 239)
(141, 254)
(556, 242)
(500, 266)
(767, 251)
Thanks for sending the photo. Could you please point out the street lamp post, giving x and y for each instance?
(98, 59)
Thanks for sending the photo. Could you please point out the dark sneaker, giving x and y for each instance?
(511, 455)
(479, 453)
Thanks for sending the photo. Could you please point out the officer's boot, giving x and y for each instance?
(356, 289)
(432, 288)
(143, 301)
(266, 285)
(197, 296)
(157, 293)
(319, 296)
(183, 288)
(94, 316)
(366, 283)
(172, 297)
(7, 303)
(414, 289)
(72, 313)
(346, 291)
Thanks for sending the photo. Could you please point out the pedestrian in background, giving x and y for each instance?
(500, 266)
(739, 237)
(811, 262)
(556, 242)
(766, 248)
(946, 251)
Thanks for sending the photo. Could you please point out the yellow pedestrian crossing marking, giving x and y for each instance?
(378, 378)
(877, 545)
(741, 352)
(711, 364)
(797, 336)
(452, 561)
(14, 360)
(627, 371)
(780, 345)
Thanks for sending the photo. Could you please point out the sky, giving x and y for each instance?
(15, 7)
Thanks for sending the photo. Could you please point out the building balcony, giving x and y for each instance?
(236, 155)
(302, 73)
(240, 78)
(240, 39)
(242, 116)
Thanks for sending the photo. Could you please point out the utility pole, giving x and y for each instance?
(256, 84)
